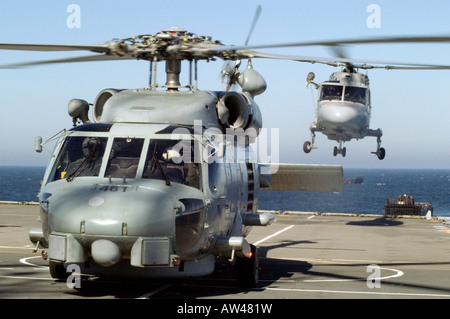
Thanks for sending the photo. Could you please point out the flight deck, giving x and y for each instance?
(301, 256)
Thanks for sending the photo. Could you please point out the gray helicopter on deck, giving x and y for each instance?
(163, 180)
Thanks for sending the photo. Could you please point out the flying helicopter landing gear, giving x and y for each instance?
(341, 150)
(380, 152)
(308, 146)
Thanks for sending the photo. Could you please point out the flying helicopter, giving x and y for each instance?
(343, 110)
(162, 182)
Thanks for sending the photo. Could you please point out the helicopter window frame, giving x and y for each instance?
(335, 96)
(170, 165)
(84, 165)
(126, 163)
(355, 94)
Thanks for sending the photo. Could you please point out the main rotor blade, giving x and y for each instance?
(255, 19)
(99, 48)
(358, 63)
(405, 39)
(143, 47)
(380, 40)
(88, 58)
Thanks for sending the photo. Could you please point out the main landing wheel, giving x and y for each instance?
(342, 151)
(57, 270)
(248, 269)
(307, 147)
(381, 154)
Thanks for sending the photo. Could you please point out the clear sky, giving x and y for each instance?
(411, 107)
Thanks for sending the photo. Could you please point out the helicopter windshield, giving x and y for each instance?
(124, 157)
(80, 156)
(331, 92)
(173, 161)
(169, 160)
(355, 94)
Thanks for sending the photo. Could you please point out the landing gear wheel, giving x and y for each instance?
(307, 147)
(57, 270)
(248, 269)
(381, 154)
(335, 151)
(344, 151)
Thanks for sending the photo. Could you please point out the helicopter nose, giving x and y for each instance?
(104, 221)
(110, 211)
(339, 114)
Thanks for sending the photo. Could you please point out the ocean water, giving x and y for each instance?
(432, 186)
(20, 184)
(425, 185)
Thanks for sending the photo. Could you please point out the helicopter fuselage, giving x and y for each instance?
(164, 199)
(163, 182)
(343, 111)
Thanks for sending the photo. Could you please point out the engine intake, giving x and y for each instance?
(233, 110)
(100, 101)
(238, 110)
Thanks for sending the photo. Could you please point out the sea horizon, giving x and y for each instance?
(21, 183)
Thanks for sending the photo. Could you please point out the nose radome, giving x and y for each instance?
(105, 252)
(340, 114)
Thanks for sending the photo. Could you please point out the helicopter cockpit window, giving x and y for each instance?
(355, 94)
(124, 158)
(80, 156)
(173, 161)
(331, 93)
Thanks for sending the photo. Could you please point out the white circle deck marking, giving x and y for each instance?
(398, 273)
(25, 262)
(273, 235)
